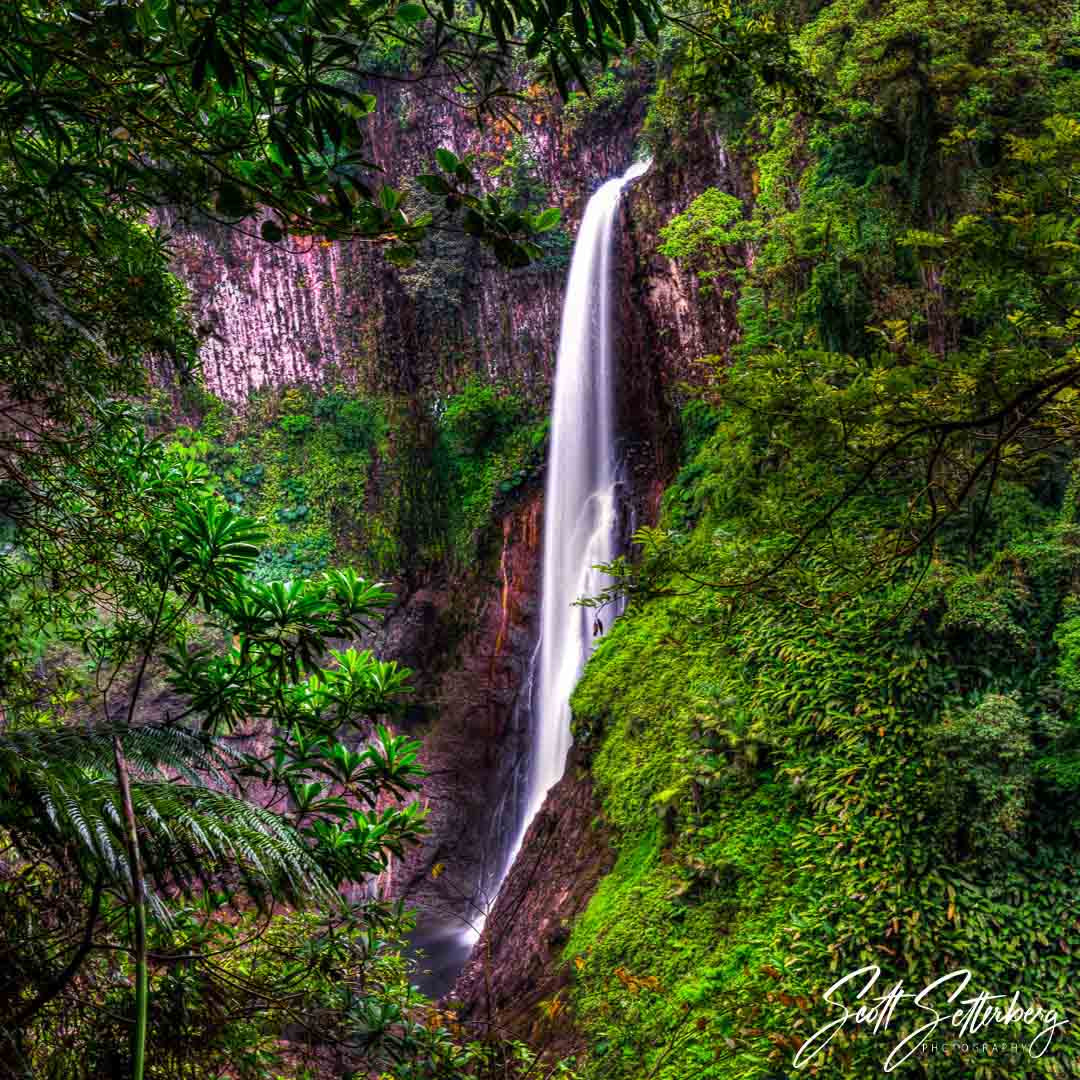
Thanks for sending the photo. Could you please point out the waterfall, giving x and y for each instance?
(579, 499)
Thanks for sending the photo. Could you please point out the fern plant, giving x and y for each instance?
(61, 794)
(147, 807)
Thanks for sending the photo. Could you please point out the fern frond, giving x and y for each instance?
(64, 797)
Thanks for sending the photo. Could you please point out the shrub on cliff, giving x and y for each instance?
(477, 417)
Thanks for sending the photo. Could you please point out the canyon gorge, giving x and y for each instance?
(537, 538)
(327, 313)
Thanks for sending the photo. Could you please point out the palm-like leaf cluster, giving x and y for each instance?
(130, 556)
(60, 796)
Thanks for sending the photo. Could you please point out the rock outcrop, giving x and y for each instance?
(471, 653)
(517, 962)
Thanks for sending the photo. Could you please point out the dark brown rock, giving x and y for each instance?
(518, 962)
(471, 644)
(317, 313)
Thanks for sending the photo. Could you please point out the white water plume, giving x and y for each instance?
(580, 496)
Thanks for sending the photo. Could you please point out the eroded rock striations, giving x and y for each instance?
(313, 311)
(517, 962)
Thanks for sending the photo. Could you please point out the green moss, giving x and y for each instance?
(797, 790)
(605, 95)
(298, 467)
(490, 445)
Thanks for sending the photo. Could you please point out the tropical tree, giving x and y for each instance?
(228, 107)
(186, 685)
(903, 284)
(146, 813)
(254, 114)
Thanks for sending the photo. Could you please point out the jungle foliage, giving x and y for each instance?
(837, 724)
(192, 780)
(132, 780)
(228, 108)
(390, 485)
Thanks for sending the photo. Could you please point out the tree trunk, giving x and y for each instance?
(138, 904)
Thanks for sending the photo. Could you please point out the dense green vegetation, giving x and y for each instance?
(837, 726)
(818, 781)
(196, 789)
(111, 816)
(343, 478)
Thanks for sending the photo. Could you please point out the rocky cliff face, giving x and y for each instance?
(472, 655)
(316, 312)
(517, 963)
(319, 313)
(665, 325)
(667, 321)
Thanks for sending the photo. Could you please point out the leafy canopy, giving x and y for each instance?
(229, 107)
(268, 773)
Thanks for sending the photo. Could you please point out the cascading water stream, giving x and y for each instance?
(579, 500)
(580, 497)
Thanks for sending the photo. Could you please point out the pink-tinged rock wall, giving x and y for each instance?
(475, 733)
(321, 313)
(310, 311)
(268, 315)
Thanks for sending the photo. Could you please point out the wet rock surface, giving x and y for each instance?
(518, 962)
(319, 313)
(471, 650)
